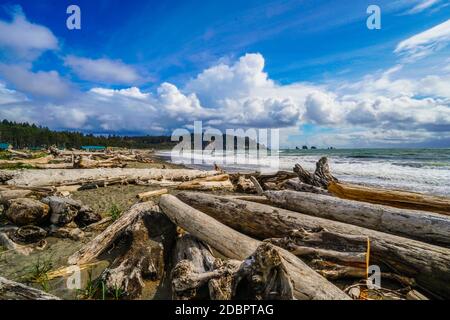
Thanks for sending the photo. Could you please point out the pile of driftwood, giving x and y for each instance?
(67, 159)
(299, 238)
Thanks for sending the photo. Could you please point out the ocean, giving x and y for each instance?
(420, 170)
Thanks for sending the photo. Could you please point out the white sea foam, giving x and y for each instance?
(397, 173)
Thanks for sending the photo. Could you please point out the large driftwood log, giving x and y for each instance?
(105, 239)
(428, 264)
(60, 177)
(144, 258)
(394, 198)
(321, 176)
(307, 284)
(11, 290)
(148, 235)
(421, 225)
(197, 274)
(81, 162)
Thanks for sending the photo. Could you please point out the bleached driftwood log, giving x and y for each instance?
(421, 225)
(321, 176)
(147, 234)
(394, 198)
(81, 162)
(295, 184)
(197, 274)
(306, 283)
(31, 162)
(105, 239)
(60, 177)
(428, 264)
(218, 182)
(154, 193)
(11, 290)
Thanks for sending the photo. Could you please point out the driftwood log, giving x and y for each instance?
(147, 235)
(394, 198)
(421, 225)
(306, 283)
(428, 264)
(197, 274)
(149, 194)
(61, 177)
(11, 290)
(321, 176)
(218, 182)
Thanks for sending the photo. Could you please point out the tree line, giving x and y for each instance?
(25, 135)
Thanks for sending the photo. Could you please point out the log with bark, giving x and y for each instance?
(306, 283)
(11, 290)
(394, 198)
(421, 225)
(148, 236)
(428, 264)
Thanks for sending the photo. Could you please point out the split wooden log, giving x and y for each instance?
(11, 290)
(149, 194)
(148, 237)
(306, 283)
(394, 198)
(421, 225)
(143, 259)
(197, 274)
(105, 239)
(428, 264)
(321, 176)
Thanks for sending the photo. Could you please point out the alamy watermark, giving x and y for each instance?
(374, 20)
(73, 22)
(256, 148)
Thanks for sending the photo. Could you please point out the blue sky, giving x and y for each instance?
(311, 68)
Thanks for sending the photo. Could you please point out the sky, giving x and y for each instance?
(310, 68)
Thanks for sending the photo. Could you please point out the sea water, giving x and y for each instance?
(421, 170)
